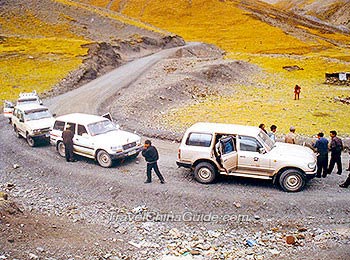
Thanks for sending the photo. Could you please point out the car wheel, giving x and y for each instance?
(104, 159)
(30, 141)
(292, 180)
(204, 173)
(10, 121)
(16, 132)
(61, 149)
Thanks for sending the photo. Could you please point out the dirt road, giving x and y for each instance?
(93, 97)
(103, 210)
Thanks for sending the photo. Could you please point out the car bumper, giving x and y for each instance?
(45, 136)
(312, 174)
(183, 164)
(125, 154)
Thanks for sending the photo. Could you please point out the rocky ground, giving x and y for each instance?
(59, 210)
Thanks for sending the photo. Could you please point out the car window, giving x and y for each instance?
(81, 130)
(59, 125)
(72, 126)
(197, 139)
(249, 144)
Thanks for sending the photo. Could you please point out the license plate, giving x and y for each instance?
(131, 153)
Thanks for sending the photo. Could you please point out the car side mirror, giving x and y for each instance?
(262, 150)
(54, 115)
(21, 120)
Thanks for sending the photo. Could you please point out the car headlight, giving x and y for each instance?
(312, 165)
(36, 131)
(116, 148)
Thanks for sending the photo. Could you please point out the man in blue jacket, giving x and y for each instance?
(322, 159)
(151, 155)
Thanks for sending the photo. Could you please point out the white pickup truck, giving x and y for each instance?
(95, 137)
(33, 122)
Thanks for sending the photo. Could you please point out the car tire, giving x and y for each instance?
(30, 140)
(205, 173)
(16, 132)
(292, 180)
(104, 159)
(61, 149)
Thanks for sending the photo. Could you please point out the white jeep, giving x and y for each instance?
(211, 149)
(33, 122)
(96, 137)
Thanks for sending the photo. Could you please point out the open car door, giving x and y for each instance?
(229, 156)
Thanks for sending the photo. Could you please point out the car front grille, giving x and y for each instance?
(128, 146)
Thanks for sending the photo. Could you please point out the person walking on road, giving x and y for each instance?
(67, 136)
(151, 156)
(336, 147)
(290, 137)
(322, 158)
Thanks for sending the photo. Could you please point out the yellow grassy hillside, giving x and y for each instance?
(35, 55)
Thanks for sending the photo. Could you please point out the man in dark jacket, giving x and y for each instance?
(322, 159)
(67, 136)
(336, 147)
(151, 155)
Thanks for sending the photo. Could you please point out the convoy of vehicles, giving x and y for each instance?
(211, 149)
(96, 137)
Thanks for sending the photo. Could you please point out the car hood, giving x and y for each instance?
(293, 151)
(116, 138)
(41, 123)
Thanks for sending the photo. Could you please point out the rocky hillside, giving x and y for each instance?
(336, 12)
(43, 41)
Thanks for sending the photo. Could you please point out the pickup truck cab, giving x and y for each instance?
(211, 149)
(33, 122)
(96, 137)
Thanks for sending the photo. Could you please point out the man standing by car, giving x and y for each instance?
(322, 158)
(67, 136)
(290, 137)
(336, 147)
(151, 156)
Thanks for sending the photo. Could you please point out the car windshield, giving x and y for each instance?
(36, 115)
(101, 127)
(267, 140)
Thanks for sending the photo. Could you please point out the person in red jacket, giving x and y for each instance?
(297, 90)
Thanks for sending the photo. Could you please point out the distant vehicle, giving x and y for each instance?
(29, 98)
(33, 122)
(96, 137)
(211, 149)
(24, 98)
(8, 110)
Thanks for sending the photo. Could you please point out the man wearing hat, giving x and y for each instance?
(67, 136)
(290, 137)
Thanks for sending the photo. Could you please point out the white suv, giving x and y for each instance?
(96, 137)
(33, 122)
(211, 149)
